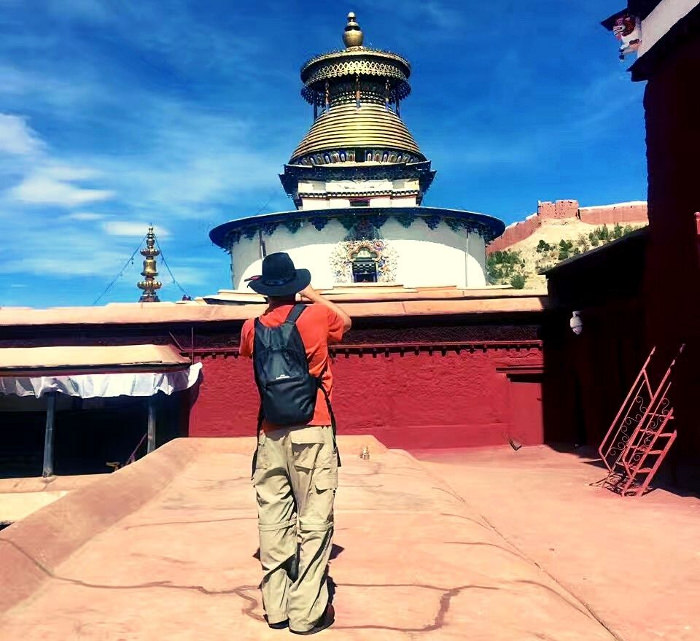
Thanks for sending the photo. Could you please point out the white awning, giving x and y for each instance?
(95, 371)
(79, 358)
(103, 385)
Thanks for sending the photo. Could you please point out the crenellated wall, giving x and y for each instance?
(630, 213)
(633, 213)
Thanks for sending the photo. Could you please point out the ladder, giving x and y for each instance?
(640, 435)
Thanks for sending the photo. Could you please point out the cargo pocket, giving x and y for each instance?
(260, 460)
(307, 445)
(326, 478)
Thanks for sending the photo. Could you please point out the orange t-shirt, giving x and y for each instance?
(318, 325)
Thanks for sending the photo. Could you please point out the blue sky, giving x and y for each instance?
(118, 113)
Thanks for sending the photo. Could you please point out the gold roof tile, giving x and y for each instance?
(345, 125)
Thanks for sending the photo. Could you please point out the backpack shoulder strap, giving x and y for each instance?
(319, 382)
(294, 314)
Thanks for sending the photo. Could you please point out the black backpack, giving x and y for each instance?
(288, 392)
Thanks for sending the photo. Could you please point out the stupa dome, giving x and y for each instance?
(371, 127)
(356, 94)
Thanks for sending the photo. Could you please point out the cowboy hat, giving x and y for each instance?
(279, 277)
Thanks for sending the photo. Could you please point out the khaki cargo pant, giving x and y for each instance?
(295, 479)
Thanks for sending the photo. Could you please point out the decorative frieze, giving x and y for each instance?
(293, 225)
(458, 221)
(405, 219)
(319, 222)
(342, 257)
(269, 228)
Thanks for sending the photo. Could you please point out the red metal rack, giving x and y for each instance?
(640, 435)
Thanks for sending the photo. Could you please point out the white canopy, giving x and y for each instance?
(102, 385)
(95, 371)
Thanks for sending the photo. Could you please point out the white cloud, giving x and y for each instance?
(135, 229)
(66, 172)
(43, 180)
(17, 137)
(66, 266)
(53, 186)
(83, 215)
(61, 253)
(185, 275)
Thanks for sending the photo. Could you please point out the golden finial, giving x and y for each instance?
(352, 36)
(149, 285)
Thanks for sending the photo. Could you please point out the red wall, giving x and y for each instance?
(225, 402)
(623, 214)
(514, 234)
(672, 279)
(429, 399)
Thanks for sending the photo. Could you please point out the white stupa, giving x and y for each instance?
(357, 180)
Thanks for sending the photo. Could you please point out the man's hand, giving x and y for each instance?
(310, 294)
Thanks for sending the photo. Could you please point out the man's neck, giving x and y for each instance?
(274, 303)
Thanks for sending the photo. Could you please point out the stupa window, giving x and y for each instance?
(359, 202)
(364, 266)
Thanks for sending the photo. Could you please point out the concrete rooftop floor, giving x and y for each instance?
(472, 544)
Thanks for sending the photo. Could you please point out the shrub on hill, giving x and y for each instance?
(504, 266)
(604, 235)
(515, 267)
(517, 281)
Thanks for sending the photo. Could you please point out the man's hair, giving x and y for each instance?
(281, 299)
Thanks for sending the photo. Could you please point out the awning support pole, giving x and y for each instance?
(151, 441)
(48, 435)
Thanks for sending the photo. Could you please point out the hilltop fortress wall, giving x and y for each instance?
(631, 213)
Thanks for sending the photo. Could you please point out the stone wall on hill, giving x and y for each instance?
(621, 213)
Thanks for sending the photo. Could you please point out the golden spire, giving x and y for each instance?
(149, 285)
(352, 36)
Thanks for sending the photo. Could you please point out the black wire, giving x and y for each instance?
(165, 262)
(121, 272)
(269, 198)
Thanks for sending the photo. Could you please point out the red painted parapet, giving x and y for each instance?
(620, 214)
(565, 209)
(407, 394)
(639, 437)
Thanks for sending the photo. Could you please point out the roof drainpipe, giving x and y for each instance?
(466, 262)
(261, 244)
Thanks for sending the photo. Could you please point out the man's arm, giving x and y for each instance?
(312, 295)
(246, 347)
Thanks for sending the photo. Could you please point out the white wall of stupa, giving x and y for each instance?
(413, 257)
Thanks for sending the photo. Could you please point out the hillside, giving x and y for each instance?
(518, 265)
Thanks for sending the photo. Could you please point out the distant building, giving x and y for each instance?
(565, 211)
(557, 231)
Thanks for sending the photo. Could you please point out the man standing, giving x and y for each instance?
(296, 466)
